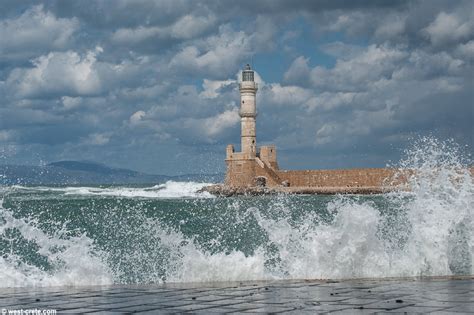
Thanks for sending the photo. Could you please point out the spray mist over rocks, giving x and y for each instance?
(171, 233)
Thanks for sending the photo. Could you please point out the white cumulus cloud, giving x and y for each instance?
(448, 28)
(36, 30)
(63, 73)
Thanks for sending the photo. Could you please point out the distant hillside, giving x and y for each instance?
(83, 173)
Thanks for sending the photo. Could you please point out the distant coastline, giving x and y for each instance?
(89, 173)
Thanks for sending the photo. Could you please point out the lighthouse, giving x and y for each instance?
(254, 169)
(252, 165)
(248, 112)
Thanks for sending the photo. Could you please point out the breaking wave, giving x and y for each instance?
(170, 189)
(427, 231)
(65, 259)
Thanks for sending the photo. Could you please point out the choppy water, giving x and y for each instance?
(171, 233)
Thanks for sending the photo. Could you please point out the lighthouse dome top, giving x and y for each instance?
(247, 73)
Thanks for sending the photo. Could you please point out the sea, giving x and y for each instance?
(170, 232)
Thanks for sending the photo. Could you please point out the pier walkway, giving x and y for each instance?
(445, 295)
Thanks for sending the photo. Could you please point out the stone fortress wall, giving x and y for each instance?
(368, 177)
(247, 172)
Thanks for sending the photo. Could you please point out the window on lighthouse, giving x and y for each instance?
(247, 76)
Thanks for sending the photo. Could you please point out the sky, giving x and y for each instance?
(153, 85)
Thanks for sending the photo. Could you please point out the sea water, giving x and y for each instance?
(172, 233)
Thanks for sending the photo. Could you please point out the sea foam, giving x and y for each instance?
(170, 189)
(71, 260)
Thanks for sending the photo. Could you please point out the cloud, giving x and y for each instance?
(375, 63)
(217, 56)
(263, 37)
(211, 88)
(71, 102)
(375, 96)
(209, 129)
(214, 126)
(330, 101)
(137, 35)
(186, 27)
(393, 26)
(25, 118)
(35, 31)
(96, 139)
(74, 74)
(342, 50)
(432, 23)
(284, 96)
(190, 26)
(448, 28)
(423, 65)
(143, 124)
(298, 72)
(137, 117)
(192, 116)
(466, 50)
(58, 73)
(111, 15)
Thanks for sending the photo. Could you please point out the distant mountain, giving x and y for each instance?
(83, 173)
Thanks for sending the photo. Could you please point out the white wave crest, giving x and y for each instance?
(71, 260)
(170, 189)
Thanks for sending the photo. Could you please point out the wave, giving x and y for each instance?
(170, 189)
(67, 260)
(426, 232)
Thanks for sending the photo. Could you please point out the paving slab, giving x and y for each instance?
(443, 295)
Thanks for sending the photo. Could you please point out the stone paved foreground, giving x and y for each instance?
(434, 295)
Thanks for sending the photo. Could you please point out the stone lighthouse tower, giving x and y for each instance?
(251, 166)
(248, 112)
